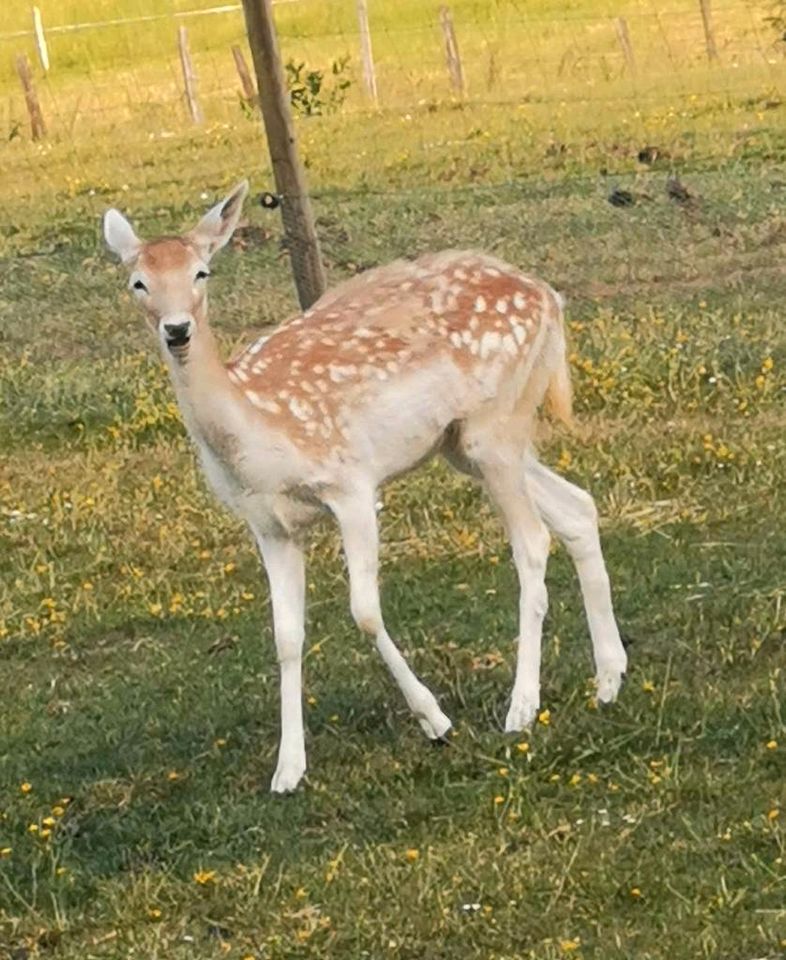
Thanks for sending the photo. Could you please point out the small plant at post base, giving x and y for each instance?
(311, 94)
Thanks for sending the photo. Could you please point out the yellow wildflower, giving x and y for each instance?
(771, 744)
(498, 799)
(648, 686)
(204, 877)
(635, 893)
(503, 771)
(544, 717)
(26, 787)
(412, 854)
(5, 852)
(773, 814)
(522, 747)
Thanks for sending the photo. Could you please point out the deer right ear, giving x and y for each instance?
(120, 236)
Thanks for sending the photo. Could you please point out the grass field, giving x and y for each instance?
(139, 711)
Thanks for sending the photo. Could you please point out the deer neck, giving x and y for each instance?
(207, 398)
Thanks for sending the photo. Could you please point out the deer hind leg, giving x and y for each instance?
(357, 519)
(529, 540)
(570, 513)
(486, 456)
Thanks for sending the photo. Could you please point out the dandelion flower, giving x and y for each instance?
(773, 814)
(544, 717)
(771, 744)
(412, 854)
(498, 799)
(26, 787)
(522, 747)
(204, 877)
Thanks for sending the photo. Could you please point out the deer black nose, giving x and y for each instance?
(177, 334)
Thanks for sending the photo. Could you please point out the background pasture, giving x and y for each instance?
(139, 710)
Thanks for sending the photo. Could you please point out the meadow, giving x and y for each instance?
(139, 716)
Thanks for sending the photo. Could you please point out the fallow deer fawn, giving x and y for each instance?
(451, 354)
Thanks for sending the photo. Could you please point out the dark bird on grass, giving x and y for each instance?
(621, 198)
(678, 192)
(649, 155)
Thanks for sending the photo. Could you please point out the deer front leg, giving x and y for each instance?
(285, 568)
(358, 523)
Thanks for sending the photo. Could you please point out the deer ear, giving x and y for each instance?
(217, 226)
(120, 236)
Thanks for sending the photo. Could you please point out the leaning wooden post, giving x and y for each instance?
(621, 25)
(452, 51)
(296, 213)
(709, 34)
(37, 125)
(189, 77)
(40, 39)
(249, 90)
(369, 73)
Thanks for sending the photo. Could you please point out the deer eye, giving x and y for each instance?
(201, 275)
(138, 285)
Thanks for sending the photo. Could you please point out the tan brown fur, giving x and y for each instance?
(391, 322)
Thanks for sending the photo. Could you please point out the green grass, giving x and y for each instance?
(135, 644)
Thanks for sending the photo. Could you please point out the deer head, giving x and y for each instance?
(168, 275)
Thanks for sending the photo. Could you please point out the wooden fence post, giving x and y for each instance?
(621, 25)
(452, 51)
(299, 229)
(369, 73)
(249, 90)
(37, 125)
(40, 39)
(709, 34)
(189, 77)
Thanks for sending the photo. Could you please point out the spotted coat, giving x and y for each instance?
(390, 322)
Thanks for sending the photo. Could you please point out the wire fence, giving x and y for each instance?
(451, 93)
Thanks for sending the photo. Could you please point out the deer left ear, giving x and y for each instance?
(215, 229)
(120, 236)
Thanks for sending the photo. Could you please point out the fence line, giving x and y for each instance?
(647, 59)
(630, 15)
(145, 18)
